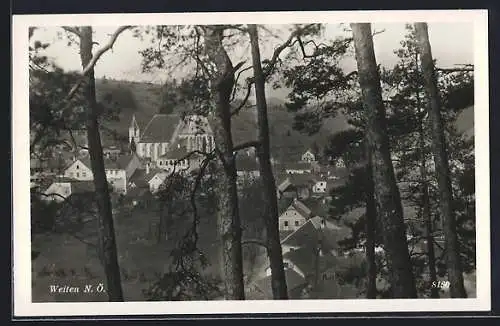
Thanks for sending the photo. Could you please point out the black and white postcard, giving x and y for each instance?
(275, 162)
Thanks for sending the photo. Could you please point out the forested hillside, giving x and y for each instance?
(143, 100)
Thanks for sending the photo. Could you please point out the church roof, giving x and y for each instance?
(120, 163)
(177, 150)
(160, 128)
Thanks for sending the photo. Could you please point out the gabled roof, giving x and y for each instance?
(316, 206)
(284, 234)
(301, 208)
(296, 205)
(85, 160)
(305, 235)
(303, 258)
(160, 128)
(293, 281)
(153, 172)
(121, 163)
(139, 178)
(297, 180)
(315, 230)
(309, 150)
(283, 185)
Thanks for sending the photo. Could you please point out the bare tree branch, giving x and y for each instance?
(236, 81)
(96, 57)
(378, 32)
(245, 99)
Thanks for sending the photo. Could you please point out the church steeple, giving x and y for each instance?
(132, 146)
(133, 130)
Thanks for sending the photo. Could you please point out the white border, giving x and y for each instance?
(23, 307)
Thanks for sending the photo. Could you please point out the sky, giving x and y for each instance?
(451, 42)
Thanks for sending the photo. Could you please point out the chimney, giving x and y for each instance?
(147, 167)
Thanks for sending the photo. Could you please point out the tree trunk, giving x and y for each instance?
(371, 216)
(426, 210)
(278, 279)
(165, 212)
(454, 266)
(426, 215)
(105, 217)
(387, 195)
(222, 82)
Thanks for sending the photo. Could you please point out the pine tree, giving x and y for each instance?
(278, 283)
(386, 191)
(453, 262)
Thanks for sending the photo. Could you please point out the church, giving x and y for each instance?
(167, 138)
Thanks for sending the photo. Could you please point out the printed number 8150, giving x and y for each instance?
(441, 284)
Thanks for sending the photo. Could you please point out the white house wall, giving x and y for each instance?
(79, 171)
(156, 182)
(287, 221)
(320, 187)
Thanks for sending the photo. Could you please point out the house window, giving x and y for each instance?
(77, 174)
(286, 223)
(84, 174)
(77, 166)
(296, 223)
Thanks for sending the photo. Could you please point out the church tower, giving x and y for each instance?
(133, 131)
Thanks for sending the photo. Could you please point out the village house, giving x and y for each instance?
(80, 169)
(295, 186)
(319, 187)
(62, 188)
(294, 216)
(118, 170)
(154, 178)
(308, 157)
(312, 249)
